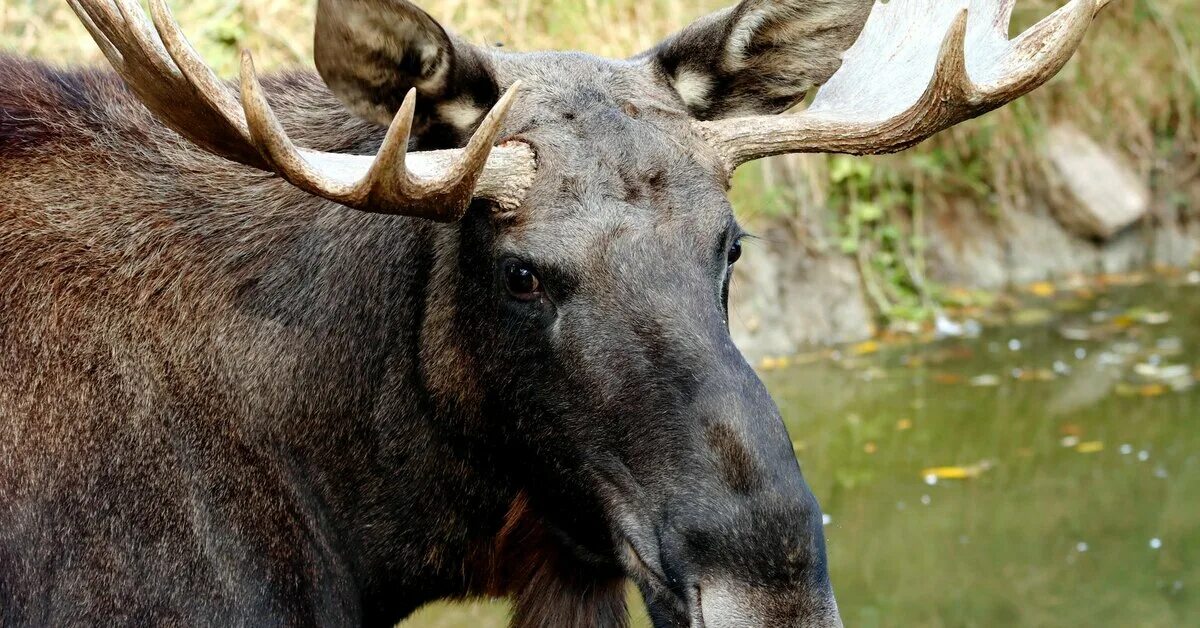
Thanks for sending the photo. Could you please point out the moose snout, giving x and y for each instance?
(755, 562)
(741, 540)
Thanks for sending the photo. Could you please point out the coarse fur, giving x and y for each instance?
(226, 402)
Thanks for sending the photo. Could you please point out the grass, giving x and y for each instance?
(1134, 86)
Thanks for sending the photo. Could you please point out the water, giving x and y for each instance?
(1046, 473)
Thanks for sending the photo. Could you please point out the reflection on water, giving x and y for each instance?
(1046, 473)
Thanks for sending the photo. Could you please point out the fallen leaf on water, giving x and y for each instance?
(865, 348)
(1090, 447)
(1070, 429)
(870, 447)
(1122, 279)
(956, 472)
(904, 424)
(947, 378)
(770, 363)
(1044, 375)
(1042, 289)
(1124, 321)
(1036, 375)
(1152, 390)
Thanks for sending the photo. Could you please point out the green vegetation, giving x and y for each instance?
(1134, 86)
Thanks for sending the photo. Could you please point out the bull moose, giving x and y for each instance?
(443, 321)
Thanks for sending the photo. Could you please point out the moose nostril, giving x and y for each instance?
(734, 462)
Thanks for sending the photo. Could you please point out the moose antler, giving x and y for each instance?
(897, 87)
(178, 86)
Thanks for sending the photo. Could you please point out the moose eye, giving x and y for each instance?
(522, 282)
(735, 252)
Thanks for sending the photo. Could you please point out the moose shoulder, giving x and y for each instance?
(442, 321)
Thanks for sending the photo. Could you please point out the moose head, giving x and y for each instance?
(574, 336)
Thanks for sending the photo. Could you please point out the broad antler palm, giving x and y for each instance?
(919, 66)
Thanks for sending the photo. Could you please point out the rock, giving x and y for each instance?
(785, 298)
(1100, 195)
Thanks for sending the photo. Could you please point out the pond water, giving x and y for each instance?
(1043, 473)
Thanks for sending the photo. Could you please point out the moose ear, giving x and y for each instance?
(760, 57)
(371, 52)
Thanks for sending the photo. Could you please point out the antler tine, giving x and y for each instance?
(171, 79)
(215, 94)
(274, 145)
(974, 70)
(391, 164)
(149, 69)
(446, 194)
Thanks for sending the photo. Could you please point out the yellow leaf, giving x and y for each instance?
(870, 447)
(904, 424)
(1089, 447)
(1152, 390)
(956, 472)
(865, 348)
(1042, 289)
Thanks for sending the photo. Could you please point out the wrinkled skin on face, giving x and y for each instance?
(588, 330)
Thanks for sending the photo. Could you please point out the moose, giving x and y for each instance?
(436, 321)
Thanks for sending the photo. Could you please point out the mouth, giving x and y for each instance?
(639, 548)
(699, 565)
(657, 589)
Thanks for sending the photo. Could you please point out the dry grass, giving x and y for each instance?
(279, 31)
